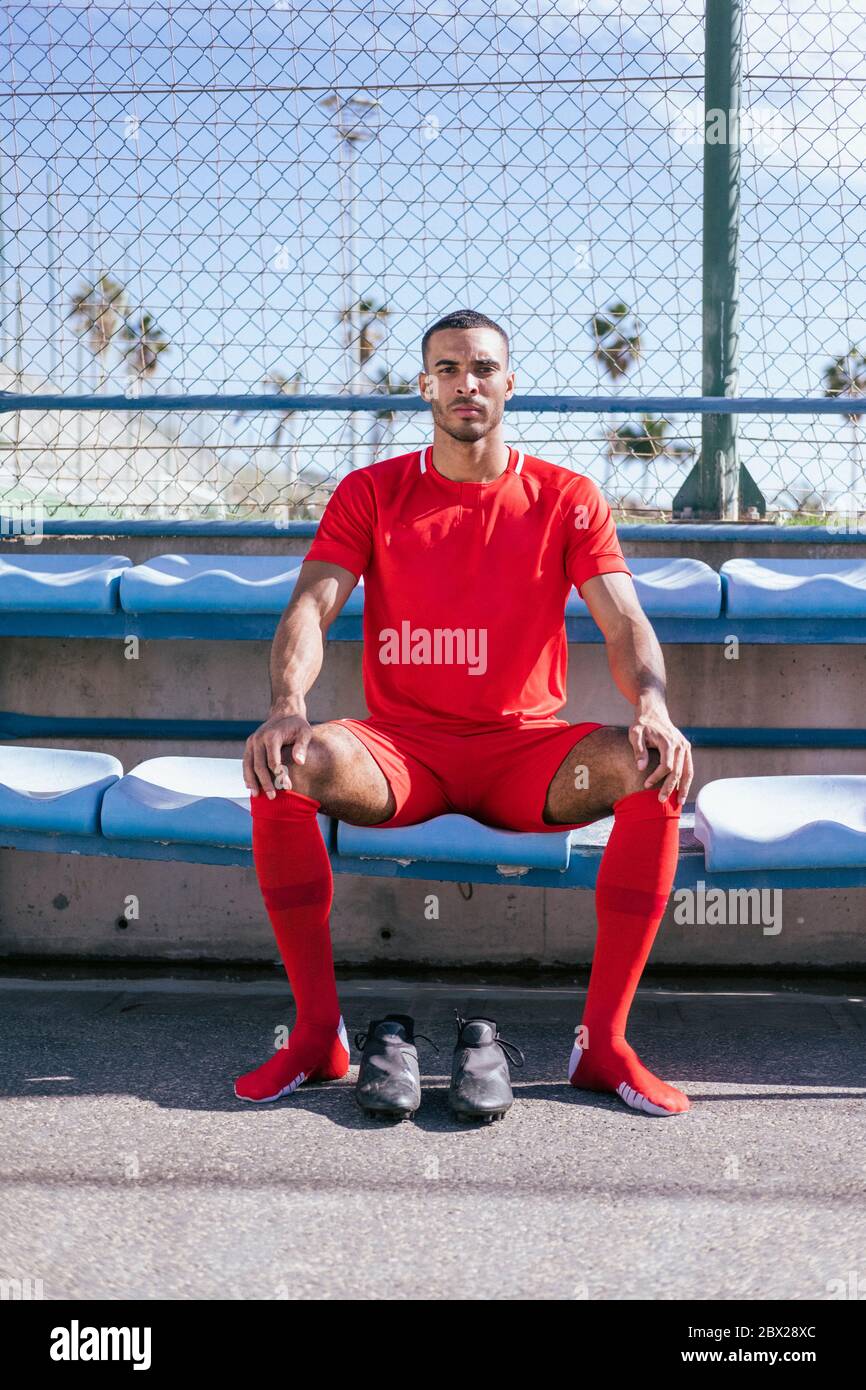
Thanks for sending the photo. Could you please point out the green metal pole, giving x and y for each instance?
(721, 248)
(717, 486)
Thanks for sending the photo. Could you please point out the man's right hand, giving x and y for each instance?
(264, 769)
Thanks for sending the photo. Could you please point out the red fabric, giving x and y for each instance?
(499, 777)
(634, 881)
(466, 585)
(297, 884)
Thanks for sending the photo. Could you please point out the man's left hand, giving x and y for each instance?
(654, 729)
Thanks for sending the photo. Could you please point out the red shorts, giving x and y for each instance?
(500, 778)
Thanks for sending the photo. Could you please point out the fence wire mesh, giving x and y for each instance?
(275, 198)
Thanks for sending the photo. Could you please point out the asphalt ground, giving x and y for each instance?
(131, 1171)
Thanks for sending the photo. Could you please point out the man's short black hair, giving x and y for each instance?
(462, 318)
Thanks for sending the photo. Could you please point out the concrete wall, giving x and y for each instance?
(70, 906)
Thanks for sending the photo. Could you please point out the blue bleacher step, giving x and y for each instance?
(458, 839)
(788, 822)
(214, 584)
(210, 583)
(667, 588)
(201, 801)
(795, 588)
(54, 790)
(61, 583)
(265, 583)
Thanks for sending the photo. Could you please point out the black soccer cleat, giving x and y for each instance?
(389, 1085)
(480, 1078)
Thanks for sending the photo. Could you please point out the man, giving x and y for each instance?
(469, 549)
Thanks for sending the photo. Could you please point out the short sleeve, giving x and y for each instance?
(591, 544)
(345, 533)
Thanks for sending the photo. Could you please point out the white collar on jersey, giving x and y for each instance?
(424, 459)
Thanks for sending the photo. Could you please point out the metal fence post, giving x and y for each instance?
(717, 485)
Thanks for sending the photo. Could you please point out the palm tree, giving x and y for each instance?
(846, 376)
(364, 337)
(362, 321)
(96, 312)
(647, 442)
(144, 344)
(616, 348)
(350, 115)
(389, 386)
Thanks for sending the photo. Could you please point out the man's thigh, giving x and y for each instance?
(362, 775)
(599, 770)
(551, 778)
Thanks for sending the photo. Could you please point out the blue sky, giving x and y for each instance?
(530, 160)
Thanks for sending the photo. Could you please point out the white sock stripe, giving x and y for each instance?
(576, 1054)
(292, 1086)
(638, 1101)
(301, 1076)
(286, 1091)
(634, 1099)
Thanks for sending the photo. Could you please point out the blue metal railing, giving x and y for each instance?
(559, 405)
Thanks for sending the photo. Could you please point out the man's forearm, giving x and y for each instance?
(297, 653)
(637, 665)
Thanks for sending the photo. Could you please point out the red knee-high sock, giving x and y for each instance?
(635, 878)
(297, 884)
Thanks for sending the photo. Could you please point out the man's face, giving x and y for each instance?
(468, 382)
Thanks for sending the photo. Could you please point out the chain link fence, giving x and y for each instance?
(277, 199)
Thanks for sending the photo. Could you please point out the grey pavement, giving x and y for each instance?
(130, 1170)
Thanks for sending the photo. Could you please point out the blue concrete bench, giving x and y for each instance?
(761, 832)
(52, 584)
(214, 597)
(750, 822)
(263, 584)
(219, 597)
(766, 588)
(54, 791)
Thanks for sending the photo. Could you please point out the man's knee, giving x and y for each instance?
(317, 772)
(630, 777)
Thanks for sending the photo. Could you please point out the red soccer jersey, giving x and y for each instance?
(466, 583)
